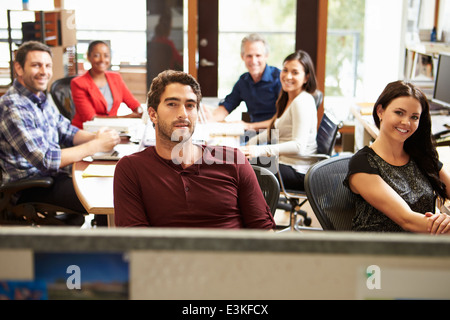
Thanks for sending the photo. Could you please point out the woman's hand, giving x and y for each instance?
(438, 223)
(134, 114)
(247, 125)
(249, 151)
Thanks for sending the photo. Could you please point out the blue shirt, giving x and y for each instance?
(31, 132)
(259, 97)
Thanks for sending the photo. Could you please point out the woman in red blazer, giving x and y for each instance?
(99, 92)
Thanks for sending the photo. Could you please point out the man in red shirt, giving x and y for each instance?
(177, 183)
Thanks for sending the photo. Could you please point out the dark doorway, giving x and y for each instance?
(306, 38)
(208, 46)
(164, 37)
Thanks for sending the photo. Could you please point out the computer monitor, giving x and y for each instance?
(441, 93)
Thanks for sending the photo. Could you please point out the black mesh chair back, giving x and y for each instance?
(326, 135)
(318, 98)
(326, 140)
(62, 96)
(269, 186)
(333, 203)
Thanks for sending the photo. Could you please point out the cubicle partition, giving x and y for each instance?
(191, 264)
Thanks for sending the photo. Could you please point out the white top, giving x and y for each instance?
(295, 135)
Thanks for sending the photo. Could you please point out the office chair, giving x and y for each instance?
(326, 139)
(62, 96)
(332, 202)
(269, 186)
(28, 213)
(318, 98)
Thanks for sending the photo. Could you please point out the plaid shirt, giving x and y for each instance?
(31, 132)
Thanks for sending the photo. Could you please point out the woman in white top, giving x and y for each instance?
(293, 130)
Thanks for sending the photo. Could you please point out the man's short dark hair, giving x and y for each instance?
(167, 77)
(21, 54)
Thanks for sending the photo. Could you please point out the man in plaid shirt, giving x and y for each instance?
(36, 140)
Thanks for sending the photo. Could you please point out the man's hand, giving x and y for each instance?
(107, 139)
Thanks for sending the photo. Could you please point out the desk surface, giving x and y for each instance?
(95, 193)
(366, 120)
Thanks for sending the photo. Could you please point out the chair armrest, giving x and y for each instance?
(16, 186)
(317, 156)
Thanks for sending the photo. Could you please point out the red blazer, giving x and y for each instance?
(89, 101)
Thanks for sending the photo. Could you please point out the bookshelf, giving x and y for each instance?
(57, 29)
(421, 62)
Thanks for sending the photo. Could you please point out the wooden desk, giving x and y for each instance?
(95, 193)
(348, 137)
(365, 129)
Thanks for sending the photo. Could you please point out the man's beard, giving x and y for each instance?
(181, 135)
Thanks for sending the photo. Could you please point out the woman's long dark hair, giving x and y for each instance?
(310, 86)
(421, 146)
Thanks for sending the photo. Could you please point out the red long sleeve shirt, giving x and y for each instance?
(220, 192)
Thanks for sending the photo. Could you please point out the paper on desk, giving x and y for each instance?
(99, 170)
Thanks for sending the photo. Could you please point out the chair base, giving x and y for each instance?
(284, 206)
(34, 215)
(299, 225)
(294, 206)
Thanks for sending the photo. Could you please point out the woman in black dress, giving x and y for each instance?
(399, 176)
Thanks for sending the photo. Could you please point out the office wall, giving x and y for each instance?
(384, 47)
(444, 21)
(285, 276)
